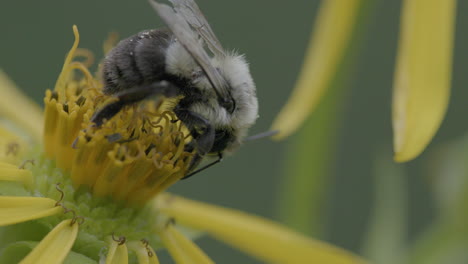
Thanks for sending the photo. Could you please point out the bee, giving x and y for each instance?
(218, 101)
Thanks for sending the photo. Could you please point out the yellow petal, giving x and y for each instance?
(55, 246)
(17, 107)
(174, 249)
(145, 254)
(7, 165)
(11, 173)
(14, 209)
(332, 33)
(117, 254)
(259, 237)
(423, 74)
(182, 249)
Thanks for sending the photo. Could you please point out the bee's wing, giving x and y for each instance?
(189, 39)
(195, 18)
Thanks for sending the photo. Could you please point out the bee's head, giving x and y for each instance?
(236, 113)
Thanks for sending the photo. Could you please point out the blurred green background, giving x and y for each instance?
(35, 36)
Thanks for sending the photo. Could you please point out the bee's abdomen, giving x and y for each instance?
(136, 60)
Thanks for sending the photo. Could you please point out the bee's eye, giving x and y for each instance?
(229, 104)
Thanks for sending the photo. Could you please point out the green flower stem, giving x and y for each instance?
(446, 239)
(305, 181)
(308, 166)
(386, 235)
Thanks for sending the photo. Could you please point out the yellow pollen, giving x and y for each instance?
(132, 157)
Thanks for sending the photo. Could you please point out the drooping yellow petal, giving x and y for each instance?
(55, 246)
(182, 249)
(118, 253)
(18, 108)
(423, 74)
(332, 33)
(174, 249)
(259, 237)
(15, 209)
(144, 252)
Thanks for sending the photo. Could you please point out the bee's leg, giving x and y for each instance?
(202, 132)
(219, 159)
(107, 112)
(131, 96)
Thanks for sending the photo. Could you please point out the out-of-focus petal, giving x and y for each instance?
(12, 147)
(423, 74)
(17, 107)
(118, 253)
(182, 249)
(145, 254)
(15, 209)
(110, 42)
(55, 246)
(332, 33)
(10, 172)
(259, 237)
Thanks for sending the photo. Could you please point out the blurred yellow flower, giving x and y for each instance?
(422, 76)
(103, 200)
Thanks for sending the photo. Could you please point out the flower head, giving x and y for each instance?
(92, 194)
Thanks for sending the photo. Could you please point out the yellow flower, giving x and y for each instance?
(86, 195)
(422, 77)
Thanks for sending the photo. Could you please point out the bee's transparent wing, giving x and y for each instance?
(189, 39)
(195, 18)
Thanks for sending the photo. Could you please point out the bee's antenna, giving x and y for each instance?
(219, 159)
(262, 135)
